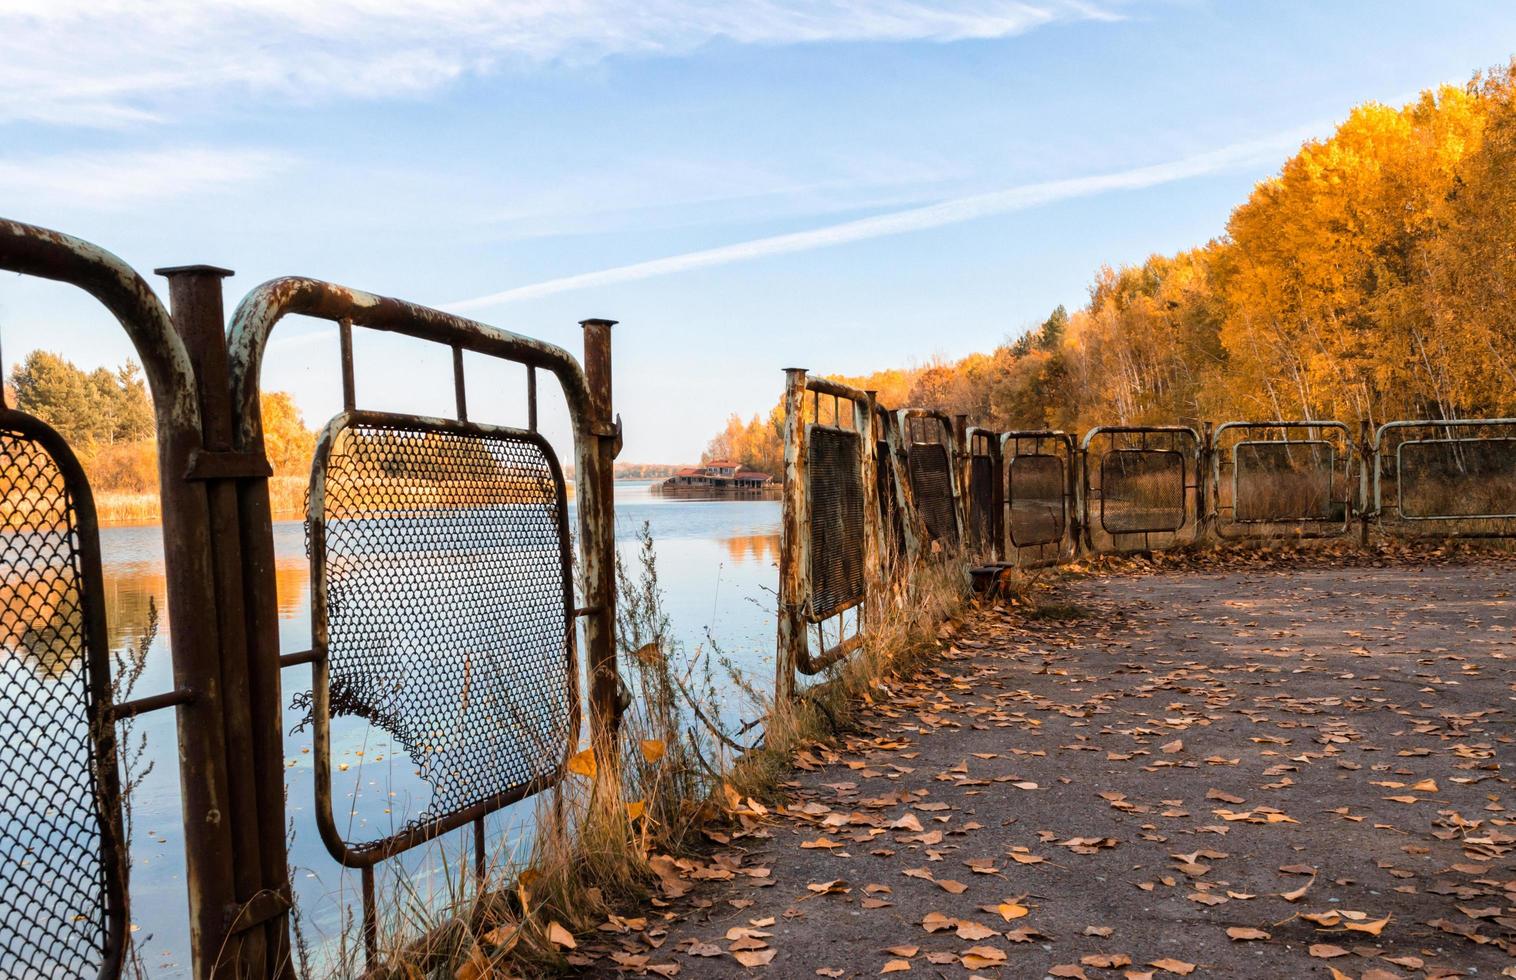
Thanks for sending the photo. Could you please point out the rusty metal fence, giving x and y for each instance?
(1041, 496)
(443, 612)
(832, 538)
(1142, 486)
(1297, 478)
(1449, 478)
(985, 493)
(63, 884)
(931, 455)
(442, 607)
(443, 580)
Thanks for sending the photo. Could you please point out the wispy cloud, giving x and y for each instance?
(954, 211)
(119, 62)
(123, 180)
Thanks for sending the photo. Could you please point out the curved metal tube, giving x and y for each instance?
(49, 254)
(260, 310)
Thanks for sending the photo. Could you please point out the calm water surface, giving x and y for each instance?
(717, 563)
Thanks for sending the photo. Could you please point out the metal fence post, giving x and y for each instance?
(873, 512)
(962, 465)
(1208, 488)
(792, 537)
(196, 311)
(594, 487)
(1366, 462)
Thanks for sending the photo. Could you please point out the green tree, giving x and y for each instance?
(52, 388)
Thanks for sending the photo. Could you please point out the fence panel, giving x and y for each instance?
(1283, 478)
(63, 883)
(898, 537)
(1142, 486)
(442, 607)
(928, 437)
(1040, 496)
(832, 534)
(986, 493)
(442, 610)
(1448, 478)
(834, 484)
(234, 912)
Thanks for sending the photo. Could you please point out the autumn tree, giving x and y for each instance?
(286, 440)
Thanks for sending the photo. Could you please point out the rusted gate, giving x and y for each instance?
(442, 602)
(986, 493)
(234, 832)
(398, 501)
(1142, 486)
(900, 531)
(1040, 513)
(932, 454)
(1445, 478)
(829, 549)
(1295, 478)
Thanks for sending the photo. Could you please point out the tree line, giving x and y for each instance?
(1371, 278)
(106, 416)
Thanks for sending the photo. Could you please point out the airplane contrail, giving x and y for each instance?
(949, 212)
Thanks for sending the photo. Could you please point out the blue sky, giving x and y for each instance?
(841, 185)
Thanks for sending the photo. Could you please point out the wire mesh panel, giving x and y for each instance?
(835, 487)
(1038, 494)
(932, 488)
(1035, 490)
(62, 882)
(1142, 485)
(1142, 491)
(982, 495)
(1283, 478)
(1447, 477)
(442, 586)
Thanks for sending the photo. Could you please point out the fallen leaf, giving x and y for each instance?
(583, 763)
(979, 957)
(1242, 934)
(560, 936)
(1011, 910)
(1298, 893)
(1372, 928)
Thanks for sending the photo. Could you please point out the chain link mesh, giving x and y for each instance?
(981, 501)
(1142, 490)
(449, 622)
(1276, 481)
(835, 487)
(53, 884)
(1472, 478)
(932, 489)
(1034, 488)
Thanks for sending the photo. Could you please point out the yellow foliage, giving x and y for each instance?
(1373, 278)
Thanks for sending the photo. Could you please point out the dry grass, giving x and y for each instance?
(121, 507)
(599, 841)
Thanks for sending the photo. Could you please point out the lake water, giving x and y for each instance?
(717, 565)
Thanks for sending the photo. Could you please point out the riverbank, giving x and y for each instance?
(116, 508)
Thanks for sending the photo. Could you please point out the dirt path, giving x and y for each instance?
(1110, 795)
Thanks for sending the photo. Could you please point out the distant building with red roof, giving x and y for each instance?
(718, 474)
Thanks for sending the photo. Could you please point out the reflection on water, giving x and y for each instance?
(717, 567)
(762, 548)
